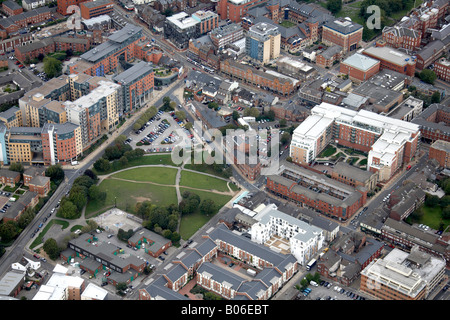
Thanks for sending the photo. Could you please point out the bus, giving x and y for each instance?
(311, 264)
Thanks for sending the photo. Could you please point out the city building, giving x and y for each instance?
(11, 117)
(33, 4)
(208, 20)
(402, 276)
(104, 58)
(295, 68)
(405, 200)
(407, 110)
(63, 6)
(13, 24)
(234, 10)
(9, 178)
(91, 9)
(11, 8)
(442, 69)
(434, 123)
(269, 80)
(344, 33)
(392, 59)
(307, 188)
(406, 236)
(226, 35)
(137, 84)
(402, 37)
(263, 42)
(389, 142)
(153, 243)
(304, 240)
(347, 256)
(353, 176)
(440, 151)
(359, 68)
(61, 143)
(180, 28)
(328, 57)
(96, 112)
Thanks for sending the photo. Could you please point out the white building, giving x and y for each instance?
(305, 240)
(94, 292)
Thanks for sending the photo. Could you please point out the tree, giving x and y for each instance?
(334, 6)
(26, 217)
(68, 210)
(285, 137)
(436, 97)
(51, 248)
(55, 172)
(236, 115)
(84, 181)
(283, 123)
(428, 76)
(181, 115)
(96, 194)
(446, 213)
(251, 112)
(8, 231)
(207, 207)
(52, 67)
(188, 126)
(123, 161)
(91, 174)
(16, 166)
(102, 165)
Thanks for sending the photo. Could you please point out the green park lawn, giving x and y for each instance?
(155, 159)
(150, 174)
(190, 223)
(127, 194)
(201, 181)
(431, 217)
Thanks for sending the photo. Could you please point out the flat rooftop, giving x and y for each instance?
(361, 62)
(390, 54)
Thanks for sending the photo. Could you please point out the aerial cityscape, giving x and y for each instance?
(232, 150)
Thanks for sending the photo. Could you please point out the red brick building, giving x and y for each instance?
(252, 76)
(344, 33)
(11, 8)
(440, 151)
(96, 8)
(236, 9)
(359, 67)
(401, 37)
(63, 5)
(9, 178)
(49, 45)
(442, 69)
(12, 43)
(24, 19)
(40, 185)
(288, 185)
(392, 59)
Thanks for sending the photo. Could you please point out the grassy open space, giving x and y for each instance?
(127, 194)
(164, 159)
(327, 152)
(431, 217)
(190, 223)
(287, 24)
(151, 174)
(201, 181)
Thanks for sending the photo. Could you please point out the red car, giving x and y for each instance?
(36, 256)
(17, 62)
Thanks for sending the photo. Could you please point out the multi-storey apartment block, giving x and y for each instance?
(96, 8)
(316, 191)
(263, 42)
(401, 37)
(402, 276)
(304, 240)
(96, 112)
(344, 33)
(227, 34)
(389, 142)
(442, 69)
(440, 150)
(137, 85)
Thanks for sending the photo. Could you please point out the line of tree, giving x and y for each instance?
(148, 114)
